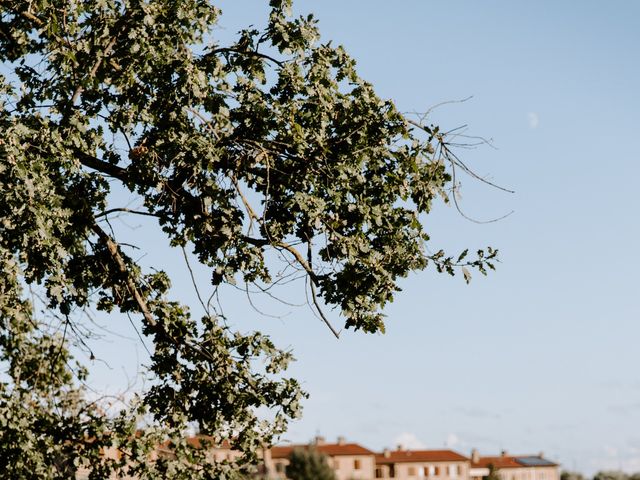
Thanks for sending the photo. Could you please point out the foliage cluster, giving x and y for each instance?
(614, 475)
(272, 144)
(309, 464)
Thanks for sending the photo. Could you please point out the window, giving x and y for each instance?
(356, 465)
(280, 467)
(432, 470)
(412, 471)
(436, 470)
(379, 473)
(459, 469)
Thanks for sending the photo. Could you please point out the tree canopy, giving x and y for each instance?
(493, 474)
(615, 475)
(271, 145)
(309, 464)
(568, 475)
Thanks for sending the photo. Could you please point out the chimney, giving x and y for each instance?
(503, 453)
(475, 456)
(319, 440)
(541, 454)
(342, 440)
(399, 447)
(386, 453)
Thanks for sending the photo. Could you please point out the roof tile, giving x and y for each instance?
(509, 461)
(406, 456)
(330, 449)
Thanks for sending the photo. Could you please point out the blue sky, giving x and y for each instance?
(542, 354)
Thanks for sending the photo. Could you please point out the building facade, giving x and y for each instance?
(349, 461)
(415, 464)
(514, 467)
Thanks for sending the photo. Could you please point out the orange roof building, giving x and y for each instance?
(348, 460)
(415, 464)
(514, 467)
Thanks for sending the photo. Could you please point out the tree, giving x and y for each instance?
(271, 147)
(493, 474)
(610, 475)
(309, 464)
(567, 475)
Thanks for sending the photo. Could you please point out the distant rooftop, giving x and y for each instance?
(535, 462)
(330, 449)
(514, 461)
(406, 456)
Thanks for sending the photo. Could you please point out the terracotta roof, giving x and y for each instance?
(405, 456)
(330, 449)
(513, 461)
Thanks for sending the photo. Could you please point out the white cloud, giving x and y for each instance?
(534, 120)
(452, 440)
(408, 441)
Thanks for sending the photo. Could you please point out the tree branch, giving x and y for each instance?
(30, 16)
(112, 246)
(122, 266)
(300, 259)
(94, 69)
(245, 52)
(121, 174)
(321, 313)
(124, 210)
(102, 166)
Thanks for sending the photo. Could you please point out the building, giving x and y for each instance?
(349, 461)
(414, 464)
(215, 453)
(514, 467)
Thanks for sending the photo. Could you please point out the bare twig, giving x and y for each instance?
(300, 259)
(314, 297)
(457, 204)
(139, 335)
(248, 293)
(319, 309)
(193, 280)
